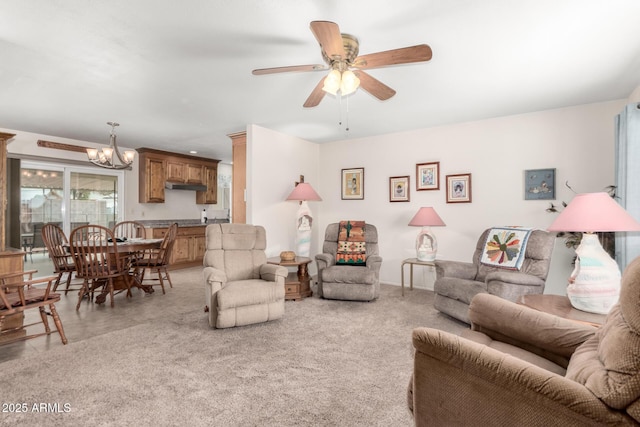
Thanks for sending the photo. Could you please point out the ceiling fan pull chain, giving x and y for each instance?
(339, 109)
(347, 118)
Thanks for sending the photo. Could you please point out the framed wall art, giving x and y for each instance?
(353, 184)
(399, 189)
(459, 188)
(540, 184)
(428, 176)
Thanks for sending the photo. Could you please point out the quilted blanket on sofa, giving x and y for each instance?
(352, 248)
(505, 247)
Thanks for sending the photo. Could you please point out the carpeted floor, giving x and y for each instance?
(326, 363)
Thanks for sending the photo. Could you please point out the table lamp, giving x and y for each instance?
(594, 285)
(426, 243)
(303, 192)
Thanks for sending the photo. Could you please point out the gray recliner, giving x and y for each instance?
(458, 282)
(347, 282)
(240, 287)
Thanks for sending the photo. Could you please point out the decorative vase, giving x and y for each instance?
(594, 285)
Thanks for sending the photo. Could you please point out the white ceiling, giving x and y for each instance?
(177, 75)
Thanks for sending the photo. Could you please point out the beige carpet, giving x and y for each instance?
(326, 363)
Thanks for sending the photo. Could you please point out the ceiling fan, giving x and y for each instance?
(340, 53)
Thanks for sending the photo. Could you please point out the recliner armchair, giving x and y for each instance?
(348, 282)
(458, 282)
(521, 367)
(240, 287)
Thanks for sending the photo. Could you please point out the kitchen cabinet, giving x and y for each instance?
(151, 178)
(209, 197)
(188, 248)
(180, 171)
(157, 167)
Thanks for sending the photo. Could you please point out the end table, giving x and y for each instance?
(412, 262)
(296, 285)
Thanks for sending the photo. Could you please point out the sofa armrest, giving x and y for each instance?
(460, 270)
(213, 276)
(526, 327)
(325, 260)
(453, 376)
(514, 278)
(374, 262)
(273, 272)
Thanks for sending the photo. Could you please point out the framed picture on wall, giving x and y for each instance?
(399, 189)
(459, 188)
(540, 184)
(353, 184)
(428, 176)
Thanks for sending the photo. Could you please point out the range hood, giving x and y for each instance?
(183, 186)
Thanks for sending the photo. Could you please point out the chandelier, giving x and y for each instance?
(104, 157)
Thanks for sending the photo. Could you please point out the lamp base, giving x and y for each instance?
(594, 285)
(426, 245)
(304, 221)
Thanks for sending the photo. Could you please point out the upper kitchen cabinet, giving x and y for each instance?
(209, 197)
(151, 177)
(159, 167)
(179, 170)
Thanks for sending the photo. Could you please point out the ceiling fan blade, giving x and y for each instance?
(405, 55)
(314, 67)
(374, 86)
(316, 95)
(328, 35)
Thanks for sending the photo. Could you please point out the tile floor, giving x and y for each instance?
(92, 319)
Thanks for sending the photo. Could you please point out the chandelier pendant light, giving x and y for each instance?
(105, 157)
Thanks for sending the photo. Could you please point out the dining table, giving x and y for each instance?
(128, 249)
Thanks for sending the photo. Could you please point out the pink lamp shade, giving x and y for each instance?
(426, 217)
(304, 192)
(594, 212)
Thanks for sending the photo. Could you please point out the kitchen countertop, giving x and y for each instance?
(161, 223)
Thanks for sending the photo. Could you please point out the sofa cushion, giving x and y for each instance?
(249, 292)
(348, 274)
(514, 351)
(459, 289)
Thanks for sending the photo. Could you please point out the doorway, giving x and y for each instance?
(68, 196)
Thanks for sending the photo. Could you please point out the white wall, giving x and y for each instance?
(275, 162)
(578, 142)
(178, 204)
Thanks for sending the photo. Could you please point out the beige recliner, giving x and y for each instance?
(521, 367)
(241, 288)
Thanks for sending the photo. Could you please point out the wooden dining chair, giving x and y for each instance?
(95, 253)
(129, 230)
(58, 246)
(157, 260)
(19, 293)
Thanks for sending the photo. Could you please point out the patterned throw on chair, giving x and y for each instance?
(505, 247)
(352, 248)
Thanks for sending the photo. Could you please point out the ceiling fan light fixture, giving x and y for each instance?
(349, 83)
(332, 82)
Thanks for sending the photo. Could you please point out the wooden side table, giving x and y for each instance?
(296, 285)
(412, 262)
(560, 305)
